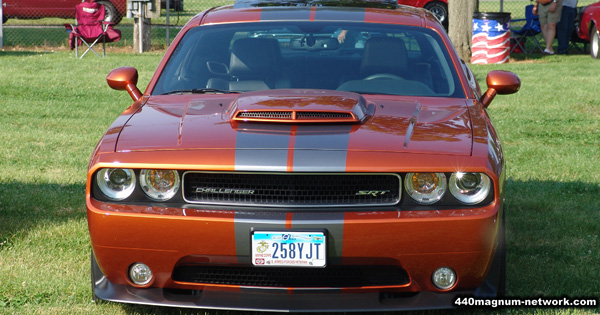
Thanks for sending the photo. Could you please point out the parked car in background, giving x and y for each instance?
(589, 26)
(35, 9)
(302, 158)
(439, 8)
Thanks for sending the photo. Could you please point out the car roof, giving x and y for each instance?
(246, 12)
(382, 4)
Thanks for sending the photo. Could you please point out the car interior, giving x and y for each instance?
(266, 56)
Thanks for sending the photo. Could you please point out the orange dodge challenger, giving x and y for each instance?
(298, 156)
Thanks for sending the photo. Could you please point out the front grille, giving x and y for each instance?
(329, 277)
(293, 190)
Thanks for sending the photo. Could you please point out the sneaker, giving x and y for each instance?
(548, 52)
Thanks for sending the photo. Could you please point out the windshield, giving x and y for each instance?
(358, 57)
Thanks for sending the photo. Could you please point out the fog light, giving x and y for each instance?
(140, 274)
(444, 278)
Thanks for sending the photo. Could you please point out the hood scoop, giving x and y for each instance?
(301, 106)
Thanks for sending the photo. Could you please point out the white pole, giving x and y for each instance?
(168, 3)
(1, 27)
(141, 20)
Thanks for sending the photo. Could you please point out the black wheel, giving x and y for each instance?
(440, 10)
(110, 12)
(595, 43)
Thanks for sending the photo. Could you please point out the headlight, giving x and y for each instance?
(159, 185)
(116, 183)
(470, 188)
(425, 188)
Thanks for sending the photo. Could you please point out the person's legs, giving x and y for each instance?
(548, 33)
(549, 36)
(564, 28)
(549, 16)
(561, 32)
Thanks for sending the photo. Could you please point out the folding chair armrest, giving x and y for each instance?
(514, 22)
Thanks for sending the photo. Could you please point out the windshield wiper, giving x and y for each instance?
(199, 91)
(370, 92)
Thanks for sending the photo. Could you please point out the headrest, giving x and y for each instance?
(384, 55)
(254, 56)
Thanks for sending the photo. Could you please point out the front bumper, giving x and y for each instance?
(259, 300)
(417, 241)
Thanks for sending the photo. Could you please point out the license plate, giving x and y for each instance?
(290, 249)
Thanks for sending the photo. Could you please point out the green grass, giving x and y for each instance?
(57, 37)
(53, 110)
(551, 134)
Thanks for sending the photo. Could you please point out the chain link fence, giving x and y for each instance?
(44, 27)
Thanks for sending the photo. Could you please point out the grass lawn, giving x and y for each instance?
(53, 110)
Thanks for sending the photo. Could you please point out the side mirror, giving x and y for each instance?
(125, 78)
(500, 82)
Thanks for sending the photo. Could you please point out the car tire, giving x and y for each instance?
(440, 10)
(111, 14)
(595, 43)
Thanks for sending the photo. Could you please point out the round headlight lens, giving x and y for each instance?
(444, 278)
(140, 274)
(159, 185)
(470, 188)
(116, 183)
(425, 188)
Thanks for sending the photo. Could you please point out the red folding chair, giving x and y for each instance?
(90, 28)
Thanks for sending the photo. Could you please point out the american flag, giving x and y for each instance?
(491, 42)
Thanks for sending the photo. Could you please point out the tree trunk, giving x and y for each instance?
(460, 25)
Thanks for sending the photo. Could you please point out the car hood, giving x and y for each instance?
(334, 122)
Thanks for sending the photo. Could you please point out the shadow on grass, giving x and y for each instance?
(19, 53)
(25, 206)
(520, 57)
(553, 238)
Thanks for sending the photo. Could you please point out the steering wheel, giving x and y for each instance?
(386, 76)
